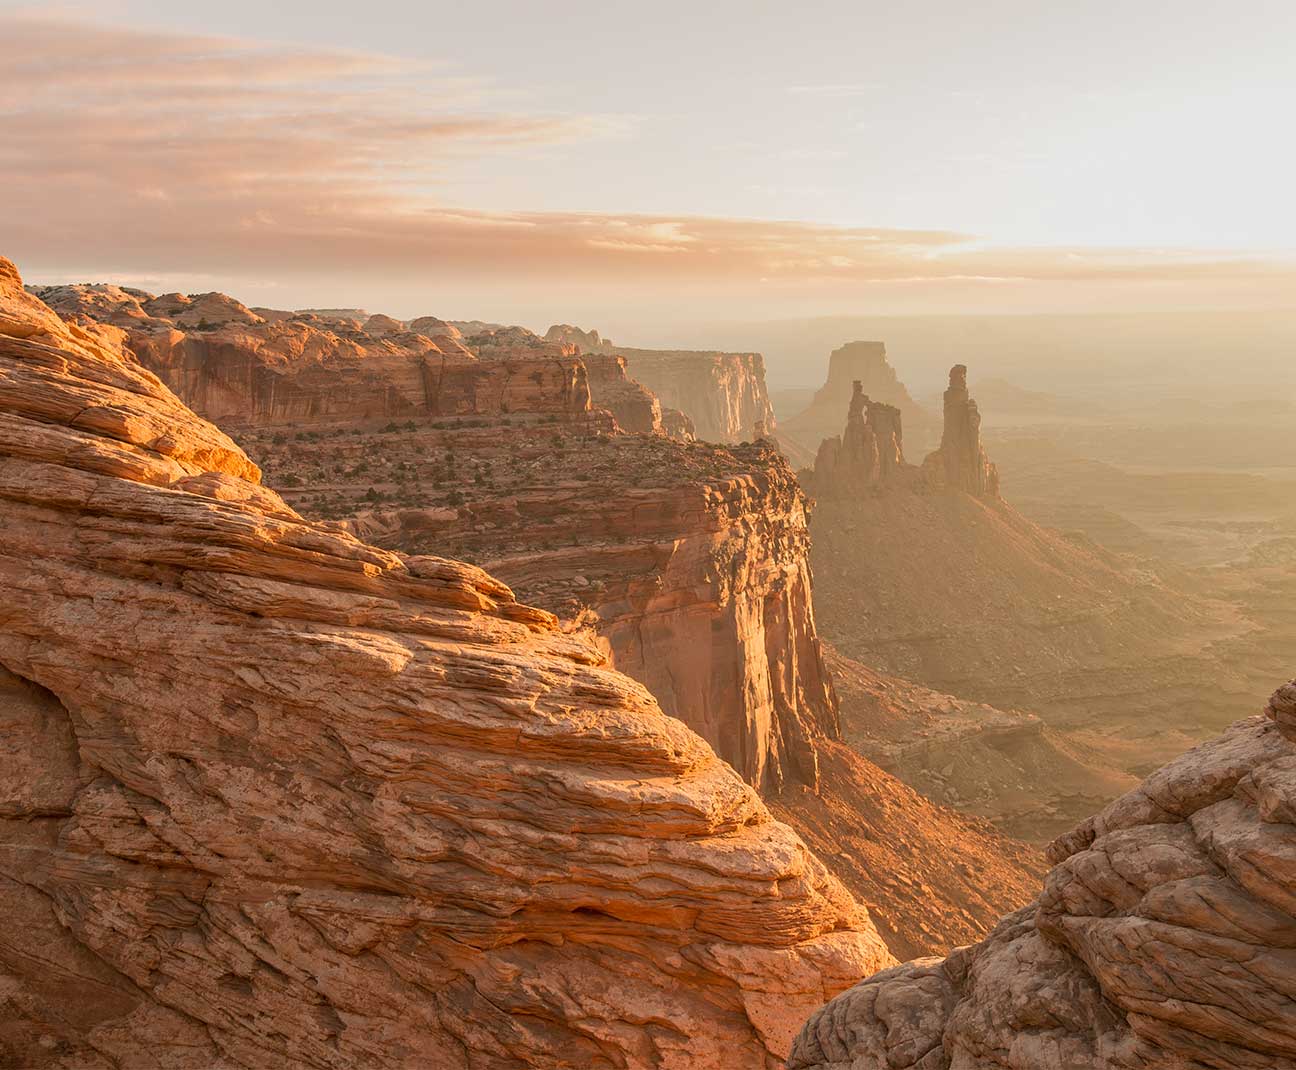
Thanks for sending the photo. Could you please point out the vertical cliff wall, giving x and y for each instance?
(722, 393)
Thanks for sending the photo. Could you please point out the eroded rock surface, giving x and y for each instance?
(272, 796)
(1165, 936)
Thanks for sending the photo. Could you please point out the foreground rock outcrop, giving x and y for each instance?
(272, 796)
(1165, 936)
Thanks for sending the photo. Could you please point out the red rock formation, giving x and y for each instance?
(635, 407)
(868, 454)
(961, 461)
(1163, 938)
(863, 362)
(236, 366)
(688, 561)
(271, 796)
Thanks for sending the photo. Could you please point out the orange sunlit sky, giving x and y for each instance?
(620, 165)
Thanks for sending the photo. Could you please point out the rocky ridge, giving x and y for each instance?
(393, 818)
(1164, 936)
(264, 367)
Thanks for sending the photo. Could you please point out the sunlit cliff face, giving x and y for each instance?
(523, 171)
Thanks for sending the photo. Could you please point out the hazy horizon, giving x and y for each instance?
(699, 166)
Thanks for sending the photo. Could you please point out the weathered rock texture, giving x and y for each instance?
(272, 796)
(236, 366)
(1164, 937)
(687, 561)
(865, 363)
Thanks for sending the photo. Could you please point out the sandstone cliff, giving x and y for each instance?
(1163, 937)
(867, 364)
(687, 561)
(687, 566)
(272, 796)
(237, 366)
(722, 393)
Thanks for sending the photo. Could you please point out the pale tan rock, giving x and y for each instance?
(283, 798)
(1165, 937)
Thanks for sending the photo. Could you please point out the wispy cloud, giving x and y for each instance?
(158, 152)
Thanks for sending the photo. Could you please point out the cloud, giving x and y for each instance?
(129, 150)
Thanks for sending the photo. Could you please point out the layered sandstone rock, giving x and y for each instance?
(868, 454)
(237, 366)
(687, 561)
(687, 566)
(722, 393)
(272, 796)
(867, 364)
(636, 408)
(1165, 936)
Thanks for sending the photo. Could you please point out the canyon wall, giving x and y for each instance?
(687, 561)
(692, 561)
(686, 565)
(1163, 937)
(272, 796)
(722, 393)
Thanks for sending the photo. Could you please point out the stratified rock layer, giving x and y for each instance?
(722, 393)
(272, 796)
(1165, 937)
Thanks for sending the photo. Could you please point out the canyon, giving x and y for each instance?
(534, 725)
(393, 815)
(691, 577)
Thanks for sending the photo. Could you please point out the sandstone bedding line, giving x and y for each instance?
(270, 796)
(1164, 937)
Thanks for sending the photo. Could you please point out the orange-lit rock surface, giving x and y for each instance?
(1165, 936)
(687, 561)
(273, 796)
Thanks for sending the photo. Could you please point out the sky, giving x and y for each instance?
(629, 166)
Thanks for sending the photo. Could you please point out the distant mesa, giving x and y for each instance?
(869, 453)
(867, 364)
